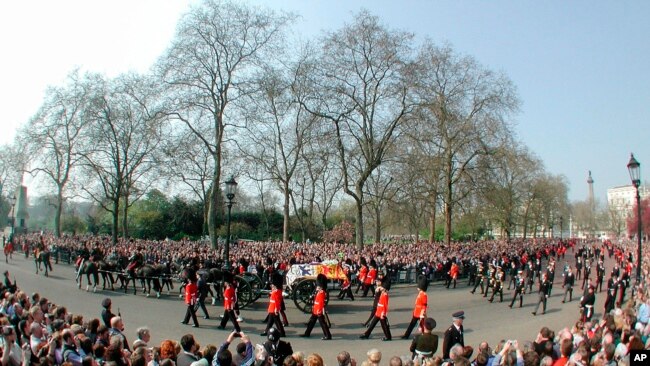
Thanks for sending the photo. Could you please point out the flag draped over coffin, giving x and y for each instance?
(331, 269)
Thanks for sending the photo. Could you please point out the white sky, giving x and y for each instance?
(580, 66)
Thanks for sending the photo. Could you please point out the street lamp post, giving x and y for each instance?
(231, 189)
(12, 201)
(561, 226)
(634, 167)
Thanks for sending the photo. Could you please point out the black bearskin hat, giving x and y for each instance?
(321, 280)
(277, 280)
(385, 283)
(423, 283)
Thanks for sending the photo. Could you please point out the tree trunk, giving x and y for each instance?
(125, 218)
(285, 213)
(116, 218)
(432, 223)
(359, 223)
(377, 224)
(213, 211)
(59, 211)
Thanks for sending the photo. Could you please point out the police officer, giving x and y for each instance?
(453, 334)
(520, 289)
(318, 310)
(569, 281)
(420, 310)
(277, 348)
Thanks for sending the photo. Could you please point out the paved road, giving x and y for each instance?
(484, 321)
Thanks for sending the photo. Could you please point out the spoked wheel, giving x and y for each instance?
(303, 295)
(245, 294)
(256, 284)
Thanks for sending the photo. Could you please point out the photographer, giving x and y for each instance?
(510, 355)
(12, 353)
(224, 357)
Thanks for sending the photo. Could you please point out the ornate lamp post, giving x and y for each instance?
(12, 202)
(634, 167)
(231, 190)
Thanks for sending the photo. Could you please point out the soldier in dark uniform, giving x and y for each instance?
(425, 345)
(107, 314)
(520, 289)
(569, 281)
(480, 278)
(204, 289)
(453, 334)
(550, 275)
(498, 285)
(587, 273)
(489, 278)
(513, 274)
(610, 300)
(318, 311)
(587, 304)
(621, 284)
(600, 275)
(579, 265)
(530, 275)
(543, 294)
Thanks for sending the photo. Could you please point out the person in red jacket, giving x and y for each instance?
(191, 296)
(420, 310)
(369, 281)
(381, 314)
(275, 304)
(453, 274)
(318, 310)
(229, 300)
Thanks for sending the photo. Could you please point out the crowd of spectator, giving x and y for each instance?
(36, 331)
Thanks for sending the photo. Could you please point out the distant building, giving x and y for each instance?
(623, 199)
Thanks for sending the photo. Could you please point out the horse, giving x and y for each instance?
(42, 257)
(106, 269)
(88, 267)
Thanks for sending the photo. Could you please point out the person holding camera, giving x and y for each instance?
(505, 356)
(224, 356)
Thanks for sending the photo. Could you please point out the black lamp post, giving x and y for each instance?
(12, 201)
(634, 167)
(561, 226)
(231, 189)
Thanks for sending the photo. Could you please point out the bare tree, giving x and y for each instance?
(468, 107)
(53, 137)
(361, 85)
(277, 130)
(120, 143)
(211, 65)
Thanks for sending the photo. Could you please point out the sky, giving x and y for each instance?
(579, 66)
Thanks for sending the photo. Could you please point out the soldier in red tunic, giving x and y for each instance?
(420, 310)
(369, 281)
(381, 314)
(229, 300)
(275, 304)
(363, 272)
(318, 310)
(191, 295)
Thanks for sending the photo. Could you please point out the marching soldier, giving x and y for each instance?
(318, 310)
(346, 286)
(275, 303)
(191, 295)
(600, 275)
(569, 281)
(587, 273)
(490, 279)
(520, 289)
(579, 266)
(420, 310)
(610, 300)
(498, 285)
(374, 302)
(543, 292)
(480, 278)
(587, 305)
(369, 282)
(513, 274)
(530, 275)
(621, 284)
(381, 314)
(363, 272)
(229, 301)
(550, 275)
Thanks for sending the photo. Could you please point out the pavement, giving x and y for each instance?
(484, 321)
